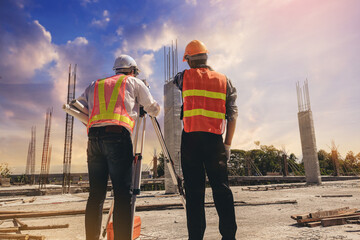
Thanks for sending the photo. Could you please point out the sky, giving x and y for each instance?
(264, 46)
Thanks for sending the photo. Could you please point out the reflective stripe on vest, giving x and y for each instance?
(204, 96)
(115, 111)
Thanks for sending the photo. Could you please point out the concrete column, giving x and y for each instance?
(308, 144)
(172, 131)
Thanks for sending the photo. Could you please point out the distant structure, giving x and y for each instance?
(335, 158)
(30, 163)
(154, 161)
(45, 160)
(69, 125)
(172, 110)
(307, 135)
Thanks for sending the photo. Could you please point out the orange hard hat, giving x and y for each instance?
(193, 48)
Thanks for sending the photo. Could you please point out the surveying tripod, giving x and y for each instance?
(136, 169)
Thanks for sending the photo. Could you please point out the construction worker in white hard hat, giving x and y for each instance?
(208, 109)
(113, 104)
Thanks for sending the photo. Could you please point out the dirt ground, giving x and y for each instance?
(254, 222)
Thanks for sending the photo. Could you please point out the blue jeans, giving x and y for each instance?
(109, 152)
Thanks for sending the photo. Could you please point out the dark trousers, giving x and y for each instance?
(204, 152)
(109, 153)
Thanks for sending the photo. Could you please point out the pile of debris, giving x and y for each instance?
(328, 218)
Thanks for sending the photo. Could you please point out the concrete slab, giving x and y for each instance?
(254, 222)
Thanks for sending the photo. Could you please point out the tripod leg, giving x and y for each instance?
(136, 182)
(174, 176)
(108, 218)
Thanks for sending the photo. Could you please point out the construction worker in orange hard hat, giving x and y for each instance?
(193, 48)
(114, 104)
(208, 109)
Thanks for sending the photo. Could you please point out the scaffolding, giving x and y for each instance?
(69, 125)
(30, 163)
(45, 160)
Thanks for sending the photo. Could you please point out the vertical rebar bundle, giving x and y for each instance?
(45, 155)
(170, 62)
(30, 163)
(69, 125)
(303, 97)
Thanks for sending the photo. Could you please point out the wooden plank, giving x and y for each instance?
(337, 221)
(338, 195)
(319, 219)
(9, 230)
(20, 222)
(26, 227)
(300, 216)
(313, 224)
(21, 236)
(333, 212)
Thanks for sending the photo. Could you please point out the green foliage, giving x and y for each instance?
(325, 163)
(260, 161)
(4, 170)
(351, 164)
(161, 165)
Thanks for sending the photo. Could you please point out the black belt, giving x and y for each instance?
(108, 129)
(114, 129)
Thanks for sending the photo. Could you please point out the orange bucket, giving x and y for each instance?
(136, 231)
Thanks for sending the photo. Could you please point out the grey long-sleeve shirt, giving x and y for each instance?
(231, 95)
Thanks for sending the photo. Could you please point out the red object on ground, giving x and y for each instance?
(136, 231)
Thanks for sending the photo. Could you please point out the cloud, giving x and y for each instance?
(34, 76)
(25, 45)
(145, 63)
(103, 22)
(86, 2)
(265, 47)
(80, 52)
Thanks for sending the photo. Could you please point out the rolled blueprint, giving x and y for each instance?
(76, 113)
(79, 106)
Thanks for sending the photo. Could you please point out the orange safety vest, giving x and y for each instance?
(204, 96)
(109, 107)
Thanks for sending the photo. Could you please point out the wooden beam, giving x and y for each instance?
(333, 212)
(313, 224)
(319, 219)
(21, 236)
(26, 227)
(337, 221)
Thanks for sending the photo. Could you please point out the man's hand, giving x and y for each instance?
(227, 151)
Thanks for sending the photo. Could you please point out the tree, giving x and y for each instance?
(161, 165)
(237, 162)
(325, 162)
(4, 170)
(351, 163)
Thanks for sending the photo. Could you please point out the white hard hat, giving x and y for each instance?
(124, 62)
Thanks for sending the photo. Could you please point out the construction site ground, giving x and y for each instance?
(267, 220)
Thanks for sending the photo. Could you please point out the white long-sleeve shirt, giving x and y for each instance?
(136, 94)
